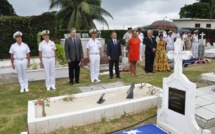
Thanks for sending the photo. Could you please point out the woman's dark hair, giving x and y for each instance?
(161, 35)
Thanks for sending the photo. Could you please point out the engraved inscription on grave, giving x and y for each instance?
(177, 100)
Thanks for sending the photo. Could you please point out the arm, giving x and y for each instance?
(88, 54)
(12, 61)
(28, 57)
(147, 44)
(81, 50)
(66, 48)
(120, 51)
(108, 50)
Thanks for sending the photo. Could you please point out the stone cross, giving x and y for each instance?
(178, 55)
(202, 35)
(124, 52)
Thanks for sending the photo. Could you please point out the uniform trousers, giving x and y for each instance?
(94, 66)
(141, 51)
(195, 48)
(49, 68)
(21, 68)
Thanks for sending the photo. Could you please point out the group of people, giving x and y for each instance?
(190, 42)
(154, 49)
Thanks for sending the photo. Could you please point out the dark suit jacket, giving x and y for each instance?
(71, 50)
(149, 45)
(114, 51)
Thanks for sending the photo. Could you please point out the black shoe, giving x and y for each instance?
(71, 83)
(111, 77)
(151, 72)
(118, 77)
(78, 83)
(146, 71)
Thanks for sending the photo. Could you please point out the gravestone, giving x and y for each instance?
(177, 114)
(124, 56)
(201, 50)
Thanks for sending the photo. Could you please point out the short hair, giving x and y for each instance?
(149, 31)
(72, 29)
(113, 32)
(129, 28)
(161, 35)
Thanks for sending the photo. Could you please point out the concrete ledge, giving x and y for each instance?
(209, 76)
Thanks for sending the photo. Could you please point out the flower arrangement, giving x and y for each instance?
(43, 102)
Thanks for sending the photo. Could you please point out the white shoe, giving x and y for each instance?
(27, 90)
(48, 89)
(21, 90)
(92, 81)
(54, 88)
(98, 80)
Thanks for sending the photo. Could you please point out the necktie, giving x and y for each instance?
(151, 39)
(115, 42)
(74, 42)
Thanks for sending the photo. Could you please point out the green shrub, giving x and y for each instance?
(60, 54)
(29, 26)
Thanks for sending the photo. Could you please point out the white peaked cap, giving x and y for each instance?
(196, 31)
(45, 32)
(18, 33)
(92, 31)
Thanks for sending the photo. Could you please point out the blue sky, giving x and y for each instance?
(125, 12)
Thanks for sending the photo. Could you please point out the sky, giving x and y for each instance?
(126, 13)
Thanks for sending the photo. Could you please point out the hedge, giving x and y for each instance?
(29, 26)
(106, 34)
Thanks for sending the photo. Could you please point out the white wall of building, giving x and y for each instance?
(191, 23)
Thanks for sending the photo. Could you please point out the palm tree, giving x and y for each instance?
(80, 13)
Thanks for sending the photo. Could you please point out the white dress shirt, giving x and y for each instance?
(93, 46)
(19, 51)
(47, 49)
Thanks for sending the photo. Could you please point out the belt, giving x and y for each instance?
(20, 58)
(48, 57)
(94, 53)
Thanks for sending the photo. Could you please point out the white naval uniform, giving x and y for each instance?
(195, 46)
(126, 37)
(94, 55)
(170, 43)
(142, 47)
(48, 59)
(20, 61)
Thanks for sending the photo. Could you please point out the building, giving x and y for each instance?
(194, 23)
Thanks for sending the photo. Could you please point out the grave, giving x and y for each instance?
(201, 50)
(208, 76)
(84, 109)
(177, 113)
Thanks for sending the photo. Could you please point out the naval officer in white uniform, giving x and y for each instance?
(195, 44)
(47, 56)
(94, 54)
(20, 59)
(142, 47)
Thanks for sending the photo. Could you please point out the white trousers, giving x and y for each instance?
(49, 68)
(195, 48)
(94, 66)
(21, 68)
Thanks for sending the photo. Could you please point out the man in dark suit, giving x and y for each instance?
(74, 55)
(114, 54)
(150, 49)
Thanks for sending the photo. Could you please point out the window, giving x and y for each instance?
(197, 25)
(208, 25)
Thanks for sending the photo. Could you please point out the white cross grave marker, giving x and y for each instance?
(177, 113)
(202, 35)
(178, 55)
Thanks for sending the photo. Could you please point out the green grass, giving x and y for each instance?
(13, 105)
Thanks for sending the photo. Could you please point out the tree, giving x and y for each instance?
(196, 10)
(6, 9)
(205, 1)
(80, 14)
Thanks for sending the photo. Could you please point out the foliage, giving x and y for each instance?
(6, 9)
(80, 13)
(69, 98)
(34, 65)
(60, 54)
(29, 26)
(196, 10)
(205, 1)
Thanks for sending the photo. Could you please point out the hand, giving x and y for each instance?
(109, 58)
(153, 49)
(41, 65)
(89, 59)
(69, 61)
(120, 58)
(13, 66)
(28, 65)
